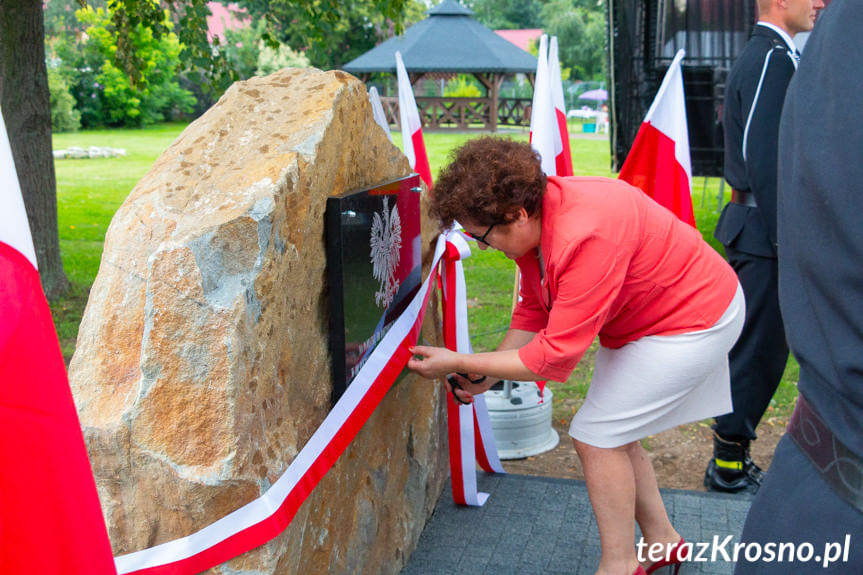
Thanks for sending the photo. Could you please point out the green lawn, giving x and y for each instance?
(90, 191)
(88, 194)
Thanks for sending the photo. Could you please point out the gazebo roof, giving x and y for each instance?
(448, 40)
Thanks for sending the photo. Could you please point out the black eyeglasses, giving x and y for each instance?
(484, 236)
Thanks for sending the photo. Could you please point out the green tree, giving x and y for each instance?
(79, 66)
(242, 47)
(155, 91)
(60, 18)
(249, 55)
(581, 35)
(64, 116)
(507, 14)
(272, 60)
(26, 106)
(329, 32)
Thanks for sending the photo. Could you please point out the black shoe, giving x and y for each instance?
(729, 481)
(752, 470)
(731, 470)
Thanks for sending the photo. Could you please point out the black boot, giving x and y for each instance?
(731, 470)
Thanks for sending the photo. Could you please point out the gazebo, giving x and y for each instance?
(449, 41)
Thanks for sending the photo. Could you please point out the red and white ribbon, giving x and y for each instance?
(266, 517)
(470, 435)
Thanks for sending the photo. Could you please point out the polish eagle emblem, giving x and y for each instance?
(386, 243)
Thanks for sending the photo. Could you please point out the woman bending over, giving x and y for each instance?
(597, 258)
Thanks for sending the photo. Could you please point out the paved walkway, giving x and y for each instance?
(540, 525)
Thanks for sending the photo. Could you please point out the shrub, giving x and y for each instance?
(105, 93)
(64, 116)
(241, 47)
(462, 87)
(270, 60)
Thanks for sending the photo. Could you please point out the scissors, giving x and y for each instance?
(455, 384)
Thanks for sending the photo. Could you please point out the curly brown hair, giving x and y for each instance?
(487, 181)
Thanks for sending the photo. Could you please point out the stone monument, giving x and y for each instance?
(202, 361)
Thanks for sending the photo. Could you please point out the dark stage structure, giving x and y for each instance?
(644, 36)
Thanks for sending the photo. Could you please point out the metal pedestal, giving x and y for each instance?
(520, 419)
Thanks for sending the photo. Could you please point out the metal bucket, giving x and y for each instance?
(521, 419)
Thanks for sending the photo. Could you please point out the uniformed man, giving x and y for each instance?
(812, 497)
(747, 228)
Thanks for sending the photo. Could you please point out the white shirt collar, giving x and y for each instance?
(783, 34)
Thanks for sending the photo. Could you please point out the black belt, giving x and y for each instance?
(841, 468)
(744, 198)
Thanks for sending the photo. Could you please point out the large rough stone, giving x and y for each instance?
(202, 368)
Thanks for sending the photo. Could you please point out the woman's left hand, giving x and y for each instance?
(433, 362)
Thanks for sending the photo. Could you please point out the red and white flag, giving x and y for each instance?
(659, 162)
(545, 134)
(413, 144)
(562, 152)
(543, 125)
(50, 518)
(378, 112)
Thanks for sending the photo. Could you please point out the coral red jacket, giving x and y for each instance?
(617, 265)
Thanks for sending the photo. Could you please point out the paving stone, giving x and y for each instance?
(546, 526)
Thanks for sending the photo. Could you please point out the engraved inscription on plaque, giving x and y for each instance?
(374, 257)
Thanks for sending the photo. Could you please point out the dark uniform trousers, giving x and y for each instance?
(757, 361)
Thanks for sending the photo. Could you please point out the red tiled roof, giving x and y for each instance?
(224, 17)
(520, 38)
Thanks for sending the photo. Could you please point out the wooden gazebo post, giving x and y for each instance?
(492, 83)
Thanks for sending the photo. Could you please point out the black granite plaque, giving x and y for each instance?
(374, 257)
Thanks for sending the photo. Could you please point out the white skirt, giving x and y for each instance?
(659, 382)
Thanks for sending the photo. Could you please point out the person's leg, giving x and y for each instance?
(649, 509)
(757, 362)
(642, 388)
(611, 485)
(758, 358)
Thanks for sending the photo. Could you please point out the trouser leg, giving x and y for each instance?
(757, 361)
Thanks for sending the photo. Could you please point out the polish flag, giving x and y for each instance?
(658, 162)
(50, 518)
(562, 153)
(545, 135)
(378, 112)
(412, 129)
(543, 126)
